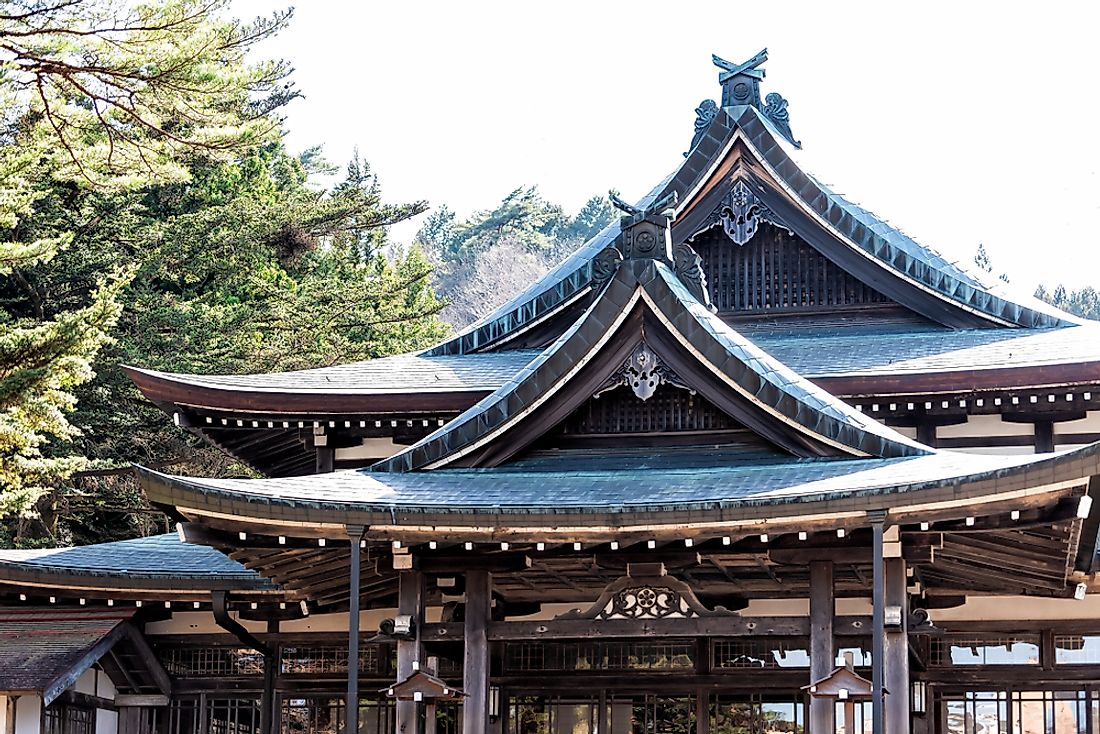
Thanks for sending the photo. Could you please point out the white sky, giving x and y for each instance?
(960, 122)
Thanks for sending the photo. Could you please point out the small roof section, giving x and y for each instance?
(158, 562)
(45, 651)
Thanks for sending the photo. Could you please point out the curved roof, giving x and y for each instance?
(609, 501)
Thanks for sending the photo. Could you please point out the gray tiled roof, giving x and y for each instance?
(154, 556)
(414, 371)
(939, 350)
(814, 353)
(39, 646)
(501, 490)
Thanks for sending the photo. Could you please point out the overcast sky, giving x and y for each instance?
(959, 122)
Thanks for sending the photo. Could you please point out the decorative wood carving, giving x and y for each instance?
(689, 268)
(643, 371)
(740, 214)
(775, 109)
(605, 264)
(647, 593)
(704, 115)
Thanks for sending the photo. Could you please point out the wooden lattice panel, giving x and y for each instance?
(776, 271)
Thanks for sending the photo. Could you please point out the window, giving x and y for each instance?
(197, 662)
(761, 653)
(60, 718)
(745, 715)
(329, 659)
(1015, 650)
(327, 715)
(1077, 649)
(1019, 712)
(562, 656)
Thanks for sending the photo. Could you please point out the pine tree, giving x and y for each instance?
(109, 97)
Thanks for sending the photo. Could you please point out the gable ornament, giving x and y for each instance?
(643, 372)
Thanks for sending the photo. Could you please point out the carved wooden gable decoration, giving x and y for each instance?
(647, 592)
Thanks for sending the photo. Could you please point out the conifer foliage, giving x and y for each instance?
(150, 214)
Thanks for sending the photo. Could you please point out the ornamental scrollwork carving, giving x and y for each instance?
(689, 268)
(647, 597)
(646, 602)
(605, 264)
(775, 109)
(704, 115)
(740, 214)
(643, 372)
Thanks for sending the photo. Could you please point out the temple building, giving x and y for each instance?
(749, 461)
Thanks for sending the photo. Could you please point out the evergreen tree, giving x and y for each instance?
(101, 97)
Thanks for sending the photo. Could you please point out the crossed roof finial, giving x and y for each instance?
(741, 82)
(657, 207)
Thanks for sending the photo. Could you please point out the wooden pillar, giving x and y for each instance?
(410, 601)
(702, 711)
(926, 433)
(355, 534)
(269, 713)
(822, 612)
(878, 629)
(475, 674)
(1044, 437)
(896, 657)
(430, 718)
(326, 458)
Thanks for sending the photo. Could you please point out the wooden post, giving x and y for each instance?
(1044, 437)
(878, 633)
(702, 711)
(410, 601)
(926, 433)
(269, 712)
(896, 657)
(326, 458)
(430, 720)
(822, 612)
(355, 534)
(475, 674)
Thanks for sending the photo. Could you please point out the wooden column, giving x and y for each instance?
(897, 650)
(351, 708)
(878, 630)
(1044, 437)
(410, 601)
(475, 674)
(822, 662)
(926, 433)
(326, 457)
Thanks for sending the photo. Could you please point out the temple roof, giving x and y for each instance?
(823, 354)
(961, 319)
(714, 493)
